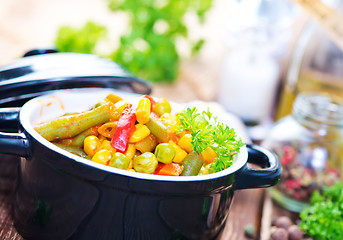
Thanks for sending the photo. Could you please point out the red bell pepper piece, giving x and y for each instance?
(158, 168)
(152, 101)
(124, 128)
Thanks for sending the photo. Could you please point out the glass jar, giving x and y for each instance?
(309, 144)
(315, 64)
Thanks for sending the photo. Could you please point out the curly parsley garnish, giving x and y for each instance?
(206, 132)
(323, 219)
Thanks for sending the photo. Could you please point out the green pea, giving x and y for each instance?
(162, 106)
(119, 160)
(165, 153)
(145, 163)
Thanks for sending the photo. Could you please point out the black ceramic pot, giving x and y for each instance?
(62, 196)
(43, 70)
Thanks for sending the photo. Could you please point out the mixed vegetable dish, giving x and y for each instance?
(143, 135)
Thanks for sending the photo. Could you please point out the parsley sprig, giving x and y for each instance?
(206, 132)
(323, 219)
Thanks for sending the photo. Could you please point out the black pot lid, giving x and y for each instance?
(41, 71)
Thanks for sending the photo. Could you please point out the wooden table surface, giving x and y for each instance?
(252, 206)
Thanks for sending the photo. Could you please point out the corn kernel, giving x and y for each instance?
(171, 121)
(209, 155)
(139, 134)
(91, 145)
(116, 110)
(103, 157)
(143, 110)
(180, 154)
(113, 98)
(107, 145)
(131, 151)
(130, 165)
(185, 142)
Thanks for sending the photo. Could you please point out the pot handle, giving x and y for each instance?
(267, 176)
(12, 143)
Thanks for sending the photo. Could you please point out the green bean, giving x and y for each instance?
(148, 144)
(192, 164)
(158, 129)
(78, 140)
(72, 149)
(71, 125)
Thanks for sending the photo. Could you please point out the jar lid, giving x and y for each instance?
(314, 109)
(41, 71)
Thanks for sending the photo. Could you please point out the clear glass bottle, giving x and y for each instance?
(309, 144)
(315, 64)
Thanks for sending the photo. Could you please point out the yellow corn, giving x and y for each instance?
(113, 98)
(171, 121)
(143, 110)
(130, 165)
(139, 134)
(103, 157)
(185, 142)
(116, 110)
(130, 152)
(91, 145)
(102, 138)
(209, 155)
(180, 154)
(107, 145)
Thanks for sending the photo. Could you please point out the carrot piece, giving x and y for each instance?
(158, 168)
(172, 169)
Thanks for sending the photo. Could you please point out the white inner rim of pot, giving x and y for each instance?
(60, 102)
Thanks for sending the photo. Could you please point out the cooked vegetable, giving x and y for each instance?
(79, 139)
(139, 134)
(185, 142)
(107, 145)
(148, 144)
(125, 125)
(171, 169)
(218, 136)
(71, 125)
(145, 163)
(158, 129)
(91, 145)
(72, 149)
(102, 156)
(209, 155)
(192, 164)
(143, 110)
(162, 106)
(119, 160)
(165, 153)
(163, 143)
(180, 154)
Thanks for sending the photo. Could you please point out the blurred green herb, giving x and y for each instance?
(206, 132)
(323, 219)
(81, 40)
(148, 49)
